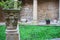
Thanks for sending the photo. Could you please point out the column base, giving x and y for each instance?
(35, 22)
(58, 23)
(12, 35)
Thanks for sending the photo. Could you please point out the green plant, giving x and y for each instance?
(10, 4)
(2, 4)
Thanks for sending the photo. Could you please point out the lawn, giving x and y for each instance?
(2, 32)
(34, 32)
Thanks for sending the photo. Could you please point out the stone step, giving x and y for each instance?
(11, 33)
(2, 23)
(12, 37)
(10, 30)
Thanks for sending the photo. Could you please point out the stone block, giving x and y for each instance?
(12, 36)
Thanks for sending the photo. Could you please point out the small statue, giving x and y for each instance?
(11, 21)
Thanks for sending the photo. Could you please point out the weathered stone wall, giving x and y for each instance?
(1, 16)
(27, 11)
(46, 9)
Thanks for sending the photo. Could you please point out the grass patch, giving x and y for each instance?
(33, 32)
(2, 32)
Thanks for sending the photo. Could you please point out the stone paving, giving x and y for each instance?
(54, 39)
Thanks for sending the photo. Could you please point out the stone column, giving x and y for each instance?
(35, 11)
(59, 10)
(59, 15)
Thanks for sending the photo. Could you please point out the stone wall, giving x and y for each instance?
(2, 19)
(46, 9)
(27, 11)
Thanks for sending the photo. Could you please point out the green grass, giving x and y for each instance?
(33, 32)
(2, 32)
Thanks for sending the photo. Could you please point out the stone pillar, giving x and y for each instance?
(59, 15)
(59, 10)
(12, 27)
(35, 11)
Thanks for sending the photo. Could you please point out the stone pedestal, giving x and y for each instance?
(12, 29)
(12, 35)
